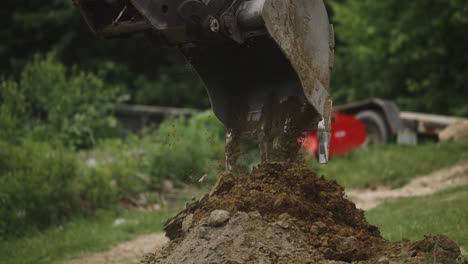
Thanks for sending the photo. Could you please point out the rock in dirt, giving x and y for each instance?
(218, 218)
(284, 213)
(187, 223)
(346, 244)
(383, 260)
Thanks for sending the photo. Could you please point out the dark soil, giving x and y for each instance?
(284, 213)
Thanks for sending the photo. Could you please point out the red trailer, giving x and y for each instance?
(377, 121)
(348, 134)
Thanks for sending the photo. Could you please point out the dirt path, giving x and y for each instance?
(437, 181)
(130, 252)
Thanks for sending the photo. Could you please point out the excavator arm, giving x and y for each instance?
(265, 63)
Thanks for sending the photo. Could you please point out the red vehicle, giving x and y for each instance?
(348, 134)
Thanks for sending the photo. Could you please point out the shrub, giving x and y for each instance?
(42, 186)
(186, 149)
(12, 110)
(123, 161)
(36, 186)
(50, 101)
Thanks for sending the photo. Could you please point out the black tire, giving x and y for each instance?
(376, 129)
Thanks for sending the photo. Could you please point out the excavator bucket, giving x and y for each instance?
(266, 63)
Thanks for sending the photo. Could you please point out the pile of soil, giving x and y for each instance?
(284, 213)
(457, 132)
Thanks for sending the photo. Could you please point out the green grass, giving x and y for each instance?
(80, 237)
(392, 165)
(442, 213)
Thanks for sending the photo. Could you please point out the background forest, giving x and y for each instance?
(412, 52)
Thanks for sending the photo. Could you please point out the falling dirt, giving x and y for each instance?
(456, 175)
(284, 213)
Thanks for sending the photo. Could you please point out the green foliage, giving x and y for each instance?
(30, 27)
(82, 236)
(409, 51)
(123, 162)
(37, 187)
(41, 185)
(48, 101)
(12, 110)
(187, 149)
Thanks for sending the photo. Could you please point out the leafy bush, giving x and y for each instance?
(186, 149)
(38, 187)
(41, 185)
(123, 162)
(50, 102)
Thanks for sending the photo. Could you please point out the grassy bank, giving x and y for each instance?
(391, 165)
(80, 236)
(442, 213)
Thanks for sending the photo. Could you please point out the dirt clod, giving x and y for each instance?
(284, 213)
(218, 218)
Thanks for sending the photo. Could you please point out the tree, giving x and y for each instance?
(409, 51)
(152, 74)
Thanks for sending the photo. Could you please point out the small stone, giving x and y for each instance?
(269, 233)
(314, 230)
(119, 221)
(320, 225)
(255, 214)
(92, 163)
(283, 224)
(240, 216)
(383, 260)
(237, 242)
(318, 228)
(284, 216)
(348, 244)
(167, 186)
(218, 218)
(325, 243)
(187, 223)
(203, 232)
(156, 207)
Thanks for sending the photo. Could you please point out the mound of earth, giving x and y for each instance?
(456, 132)
(284, 213)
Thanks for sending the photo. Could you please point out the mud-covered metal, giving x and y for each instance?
(302, 29)
(112, 18)
(265, 63)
